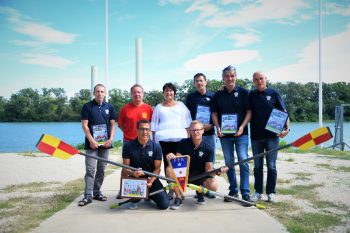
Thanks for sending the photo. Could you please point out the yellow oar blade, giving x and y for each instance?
(313, 138)
(51, 145)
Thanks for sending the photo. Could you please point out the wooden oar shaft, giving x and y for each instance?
(197, 177)
(128, 167)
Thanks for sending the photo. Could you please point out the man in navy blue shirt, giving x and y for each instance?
(231, 115)
(200, 104)
(201, 157)
(145, 154)
(98, 122)
(262, 101)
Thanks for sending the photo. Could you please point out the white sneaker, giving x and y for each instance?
(271, 198)
(256, 197)
(133, 206)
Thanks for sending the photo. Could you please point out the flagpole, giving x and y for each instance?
(320, 97)
(106, 75)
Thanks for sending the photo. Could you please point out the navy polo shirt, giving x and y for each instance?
(261, 105)
(194, 99)
(142, 156)
(98, 114)
(234, 102)
(203, 154)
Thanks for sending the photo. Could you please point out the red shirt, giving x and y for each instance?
(130, 115)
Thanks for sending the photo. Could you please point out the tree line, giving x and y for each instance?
(52, 104)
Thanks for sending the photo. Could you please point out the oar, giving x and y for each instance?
(53, 146)
(305, 142)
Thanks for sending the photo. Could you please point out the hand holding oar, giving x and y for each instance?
(53, 146)
(306, 142)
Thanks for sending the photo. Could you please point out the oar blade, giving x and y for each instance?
(313, 138)
(53, 146)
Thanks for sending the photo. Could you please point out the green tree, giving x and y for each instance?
(153, 97)
(118, 98)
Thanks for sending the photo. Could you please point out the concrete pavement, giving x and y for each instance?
(214, 216)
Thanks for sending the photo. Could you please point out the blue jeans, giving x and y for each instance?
(228, 146)
(93, 182)
(260, 146)
(210, 140)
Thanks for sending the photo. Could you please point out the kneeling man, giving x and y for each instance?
(147, 155)
(201, 155)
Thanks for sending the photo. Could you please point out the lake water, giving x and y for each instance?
(22, 137)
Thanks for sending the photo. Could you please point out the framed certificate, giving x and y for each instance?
(134, 188)
(277, 121)
(203, 114)
(229, 123)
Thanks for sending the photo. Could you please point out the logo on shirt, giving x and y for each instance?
(107, 111)
(144, 115)
(201, 153)
(268, 98)
(150, 153)
(236, 94)
(207, 98)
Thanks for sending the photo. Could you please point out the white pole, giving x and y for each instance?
(106, 77)
(320, 98)
(93, 79)
(138, 60)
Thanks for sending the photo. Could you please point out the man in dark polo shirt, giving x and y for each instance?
(231, 115)
(145, 154)
(262, 101)
(98, 122)
(200, 104)
(201, 155)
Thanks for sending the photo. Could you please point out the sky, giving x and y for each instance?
(50, 44)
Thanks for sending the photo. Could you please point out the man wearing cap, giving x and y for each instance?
(231, 115)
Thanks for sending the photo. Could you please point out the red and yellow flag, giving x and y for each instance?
(55, 147)
(313, 138)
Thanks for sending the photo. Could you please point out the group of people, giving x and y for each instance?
(187, 129)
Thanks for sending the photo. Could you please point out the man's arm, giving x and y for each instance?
(150, 180)
(85, 126)
(128, 172)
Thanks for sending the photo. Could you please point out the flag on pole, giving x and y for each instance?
(180, 168)
(55, 147)
(313, 138)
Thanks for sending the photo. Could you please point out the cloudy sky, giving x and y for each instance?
(48, 43)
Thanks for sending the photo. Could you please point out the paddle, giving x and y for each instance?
(305, 142)
(53, 146)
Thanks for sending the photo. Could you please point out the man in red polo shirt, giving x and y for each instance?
(132, 112)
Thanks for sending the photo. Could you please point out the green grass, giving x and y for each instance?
(300, 191)
(311, 222)
(31, 187)
(328, 166)
(302, 175)
(30, 211)
(338, 154)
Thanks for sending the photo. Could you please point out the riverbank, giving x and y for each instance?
(312, 188)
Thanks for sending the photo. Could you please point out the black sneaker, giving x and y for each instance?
(246, 197)
(200, 199)
(232, 194)
(85, 201)
(100, 197)
(177, 204)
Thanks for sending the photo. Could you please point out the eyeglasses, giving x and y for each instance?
(144, 129)
(196, 130)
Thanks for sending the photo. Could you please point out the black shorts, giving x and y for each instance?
(199, 181)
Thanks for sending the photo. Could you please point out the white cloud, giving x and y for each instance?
(38, 31)
(44, 33)
(226, 2)
(256, 12)
(205, 8)
(48, 60)
(215, 61)
(177, 2)
(335, 62)
(243, 39)
(334, 8)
